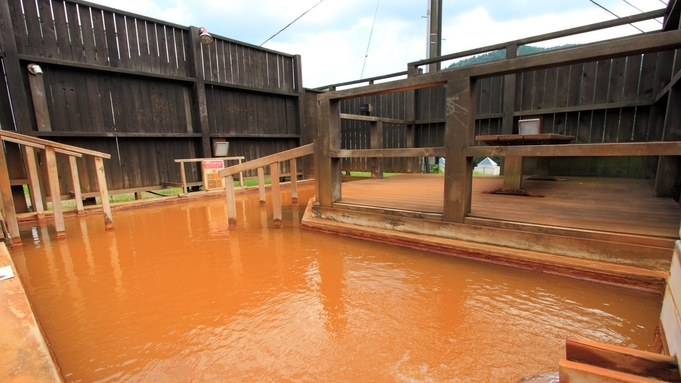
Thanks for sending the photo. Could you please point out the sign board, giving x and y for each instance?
(211, 178)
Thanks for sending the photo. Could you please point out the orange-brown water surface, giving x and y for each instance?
(172, 295)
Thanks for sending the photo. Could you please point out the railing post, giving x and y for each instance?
(231, 202)
(183, 179)
(104, 193)
(294, 181)
(328, 169)
(34, 183)
(53, 180)
(276, 194)
(9, 213)
(376, 142)
(76, 185)
(459, 131)
(261, 186)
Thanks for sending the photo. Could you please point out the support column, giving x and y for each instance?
(459, 132)
(435, 33)
(103, 193)
(376, 142)
(276, 194)
(76, 185)
(195, 67)
(261, 186)
(231, 202)
(668, 176)
(34, 183)
(53, 180)
(513, 172)
(329, 169)
(8, 212)
(294, 181)
(183, 179)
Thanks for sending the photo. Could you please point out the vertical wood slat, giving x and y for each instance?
(276, 195)
(77, 47)
(104, 193)
(55, 31)
(76, 185)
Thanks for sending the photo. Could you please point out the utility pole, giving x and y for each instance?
(434, 48)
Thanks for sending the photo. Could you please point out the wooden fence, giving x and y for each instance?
(605, 101)
(143, 90)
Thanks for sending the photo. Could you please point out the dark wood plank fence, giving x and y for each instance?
(143, 90)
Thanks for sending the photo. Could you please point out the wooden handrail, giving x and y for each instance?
(268, 160)
(40, 143)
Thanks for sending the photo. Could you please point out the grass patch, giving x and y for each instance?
(368, 174)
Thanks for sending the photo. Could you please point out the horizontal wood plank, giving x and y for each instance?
(584, 373)
(388, 153)
(622, 359)
(358, 117)
(669, 148)
(267, 160)
(66, 149)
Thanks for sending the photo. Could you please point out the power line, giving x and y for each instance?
(638, 9)
(291, 23)
(369, 43)
(610, 12)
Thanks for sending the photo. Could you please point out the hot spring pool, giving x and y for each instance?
(173, 295)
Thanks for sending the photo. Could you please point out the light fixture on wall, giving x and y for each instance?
(204, 37)
(35, 69)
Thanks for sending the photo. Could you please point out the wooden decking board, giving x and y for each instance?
(621, 206)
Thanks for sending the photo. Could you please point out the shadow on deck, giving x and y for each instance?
(610, 230)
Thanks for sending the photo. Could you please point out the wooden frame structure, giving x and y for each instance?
(51, 148)
(460, 119)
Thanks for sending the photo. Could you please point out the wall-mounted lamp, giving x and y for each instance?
(35, 69)
(204, 37)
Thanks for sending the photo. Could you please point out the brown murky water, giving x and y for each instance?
(172, 295)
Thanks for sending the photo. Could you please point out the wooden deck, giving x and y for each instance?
(623, 206)
(594, 228)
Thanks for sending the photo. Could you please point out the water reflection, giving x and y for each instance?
(173, 295)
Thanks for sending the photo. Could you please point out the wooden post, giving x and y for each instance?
(376, 142)
(76, 185)
(459, 132)
(513, 172)
(9, 213)
(53, 181)
(276, 194)
(435, 36)
(34, 183)
(183, 179)
(231, 202)
(42, 115)
(103, 193)
(413, 163)
(241, 176)
(261, 186)
(195, 66)
(668, 176)
(294, 181)
(328, 177)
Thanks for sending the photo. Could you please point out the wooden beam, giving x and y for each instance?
(231, 202)
(584, 373)
(276, 194)
(261, 186)
(668, 175)
(195, 69)
(645, 43)
(103, 193)
(75, 180)
(658, 148)
(388, 153)
(631, 361)
(328, 171)
(53, 181)
(34, 183)
(267, 160)
(358, 117)
(66, 149)
(459, 132)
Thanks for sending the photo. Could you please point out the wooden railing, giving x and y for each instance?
(50, 148)
(273, 162)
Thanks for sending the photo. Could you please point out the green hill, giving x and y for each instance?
(501, 54)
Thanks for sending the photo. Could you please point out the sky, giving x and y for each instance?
(345, 40)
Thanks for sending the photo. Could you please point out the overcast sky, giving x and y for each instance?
(333, 37)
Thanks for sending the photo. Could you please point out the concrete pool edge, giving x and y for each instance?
(646, 280)
(24, 351)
